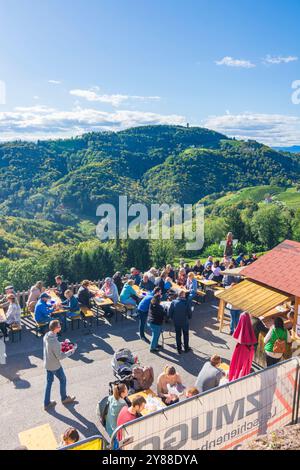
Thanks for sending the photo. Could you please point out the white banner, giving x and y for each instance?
(224, 418)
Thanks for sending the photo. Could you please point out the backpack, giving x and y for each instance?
(279, 345)
(102, 410)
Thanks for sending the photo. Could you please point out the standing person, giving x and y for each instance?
(143, 309)
(210, 375)
(180, 313)
(276, 342)
(52, 358)
(241, 361)
(116, 402)
(228, 251)
(155, 321)
(34, 294)
(61, 288)
(235, 314)
(117, 278)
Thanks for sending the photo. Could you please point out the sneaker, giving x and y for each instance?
(68, 400)
(134, 315)
(187, 350)
(179, 351)
(52, 404)
(143, 338)
(159, 346)
(154, 350)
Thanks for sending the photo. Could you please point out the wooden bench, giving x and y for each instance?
(88, 317)
(15, 329)
(122, 309)
(38, 326)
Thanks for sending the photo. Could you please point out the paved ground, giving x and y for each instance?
(89, 372)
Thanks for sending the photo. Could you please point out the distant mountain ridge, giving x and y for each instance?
(293, 149)
(65, 180)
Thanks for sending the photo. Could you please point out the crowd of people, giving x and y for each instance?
(155, 297)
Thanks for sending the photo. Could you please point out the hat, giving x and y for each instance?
(9, 288)
(45, 296)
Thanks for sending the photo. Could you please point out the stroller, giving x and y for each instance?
(127, 370)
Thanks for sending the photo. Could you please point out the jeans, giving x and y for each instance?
(156, 331)
(3, 328)
(179, 330)
(235, 316)
(143, 319)
(59, 373)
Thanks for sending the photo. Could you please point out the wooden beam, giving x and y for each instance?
(221, 311)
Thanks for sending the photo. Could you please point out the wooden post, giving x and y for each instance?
(297, 305)
(221, 311)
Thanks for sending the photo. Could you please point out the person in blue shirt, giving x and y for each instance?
(180, 313)
(71, 304)
(42, 310)
(143, 312)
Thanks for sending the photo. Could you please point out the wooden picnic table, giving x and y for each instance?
(146, 394)
(208, 283)
(54, 296)
(39, 438)
(140, 292)
(176, 287)
(103, 301)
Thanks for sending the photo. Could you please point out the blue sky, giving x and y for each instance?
(74, 66)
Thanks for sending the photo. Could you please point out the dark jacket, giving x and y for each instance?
(149, 285)
(72, 305)
(61, 289)
(156, 314)
(180, 312)
(118, 281)
(84, 296)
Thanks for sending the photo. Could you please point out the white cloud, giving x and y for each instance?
(41, 122)
(231, 62)
(54, 82)
(279, 59)
(115, 100)
(270, 129)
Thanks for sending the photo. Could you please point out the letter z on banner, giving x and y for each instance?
(224, 418)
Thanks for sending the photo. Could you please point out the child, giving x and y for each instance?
(71, 436)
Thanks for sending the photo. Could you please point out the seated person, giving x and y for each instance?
(152, 274)
(13, 313)
(128, 295)
(135, 275)
(238, 260)
(209, 262)
(84, 295)
(3, 299)
(71, 304)
(210, 375)
(110, 291)
(198, 268)
(116, 402)
(146, 284)
(61, 287)
(43, 312)
(187, 268)
(191, 286)
(170, 272)
(168, 285)
(131, 413)
(191, 392)
(71, 436)
(117, 279)
(182, 278)
(207, 273)
(168, 377)
(216, 272)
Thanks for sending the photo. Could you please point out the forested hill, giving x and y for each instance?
(64, 180)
